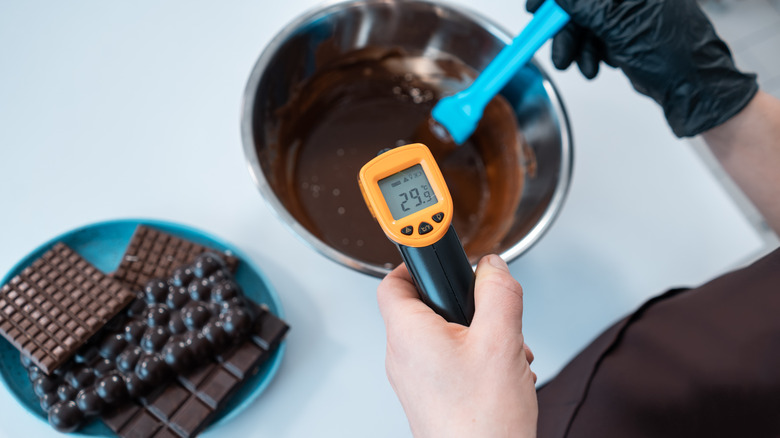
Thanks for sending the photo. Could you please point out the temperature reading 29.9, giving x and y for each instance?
(414, 195)
(407, 191)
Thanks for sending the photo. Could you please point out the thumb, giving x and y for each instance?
(532, 5)
(498, 298)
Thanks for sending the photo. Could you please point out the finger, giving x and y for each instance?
(606, 55)
(498, 298)
(599, 48)
(529, 355)
(532, 5)
(588, 59)
(566, 46)
(590, 14)
(397, 294)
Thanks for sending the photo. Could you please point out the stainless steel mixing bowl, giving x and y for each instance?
(418, 27)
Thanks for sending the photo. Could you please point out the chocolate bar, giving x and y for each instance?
(56, 304)
(155, 254)
(189, 404)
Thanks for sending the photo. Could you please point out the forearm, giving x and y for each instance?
(748, 148)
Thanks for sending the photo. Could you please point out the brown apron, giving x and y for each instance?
(701, 362)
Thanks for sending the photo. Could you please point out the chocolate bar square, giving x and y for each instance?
(166, 404)
(153, 254)
(58, 302)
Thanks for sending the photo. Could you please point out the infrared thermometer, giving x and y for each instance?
(406, 193)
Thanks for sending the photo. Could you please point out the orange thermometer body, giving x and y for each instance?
(406, 193)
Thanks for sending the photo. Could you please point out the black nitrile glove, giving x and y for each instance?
(667, 48)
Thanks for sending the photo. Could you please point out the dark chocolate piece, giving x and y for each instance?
(155, 254)
(56, 304)
(143, 425)
(169, 401)
(117, 418)
(185, 407)
(65, 416)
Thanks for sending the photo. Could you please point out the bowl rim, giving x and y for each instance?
(253, 164)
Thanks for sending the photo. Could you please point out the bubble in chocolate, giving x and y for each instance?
(182, 276)
(195, 315)
(134, 331)
(176, 324)
(127, 360)
(157, 315)
(234, 303)
(200, 289)
(48, 400)
(213, 308)
(151, 369)
(64, 368)
(65, 416)
(111, 388)
(26, 361)
(34, 372)
(115, 323)
(154, 338)
(225, 291)
(207, 263)
(80, 377)
(215, 333)
(135, 386)
(102, 367)
(112, 346)
(86, 353)
(44, 385)
(236, 322)
(66, 392)
(178, 355)
(89, 402)
(136, 307)
(219, 276)
(199, 345)
(155, 291)
(177, 297)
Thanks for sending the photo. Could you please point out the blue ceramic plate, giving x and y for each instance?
(103, 244)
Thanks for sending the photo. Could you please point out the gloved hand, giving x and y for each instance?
(667, 48)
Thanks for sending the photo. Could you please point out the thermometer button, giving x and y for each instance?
(438, 217)
(424, 228)
(407, 230)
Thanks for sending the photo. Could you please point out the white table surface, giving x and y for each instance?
(131, 109)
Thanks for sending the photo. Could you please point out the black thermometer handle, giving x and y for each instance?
(443, 276)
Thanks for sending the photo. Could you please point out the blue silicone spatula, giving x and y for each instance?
(460, 113)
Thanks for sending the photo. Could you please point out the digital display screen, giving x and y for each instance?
(407, 191)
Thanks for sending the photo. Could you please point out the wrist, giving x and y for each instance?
(702, 103)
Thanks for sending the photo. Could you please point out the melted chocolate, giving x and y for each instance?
(359, 103)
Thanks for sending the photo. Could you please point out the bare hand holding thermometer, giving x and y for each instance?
(406, 193)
